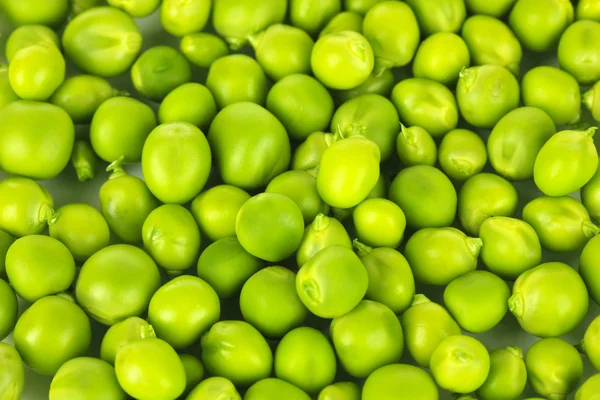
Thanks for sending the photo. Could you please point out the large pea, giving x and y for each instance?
(381, 84)
(579, 51)
(308, 153)
(203, 49)
(323, 232)
(312, 15)
(588, 9)
(462, 154)
(84, 378)
(8, 312)
(591, 100)
(274, 389)
(441, 57)
(439, 15)
(29, 35)
(344, 21)
(415, 146)
(340, 391)
(7, 94)
(12, 374)
(25, 206)
(214, 387)
(180, 18)
(190, 102)
(496, 8)
(398, 382)
(507, 377)
(128, 330)
(589, 268)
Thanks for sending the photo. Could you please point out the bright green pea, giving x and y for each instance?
(237, 351)
(158, 71)
(554, 368)
(352, 336)
(425, 325)
(490, 41)
(25, 206)
(590, 389)
(462, 154)
(360, 6)
(12, 374)
(35, 72)
(114, 134)
(6, 240)
(549, 300)
(399, 382)
(381, 84)
(102, 41)
(516, 141)
(29, 35)
(579, 51)
(415, 146)
(117, 283)
(553, 91)
(426, 196)
(32, 12)
(194, 371)
(172, 237)
(323, 232)
(306, 359)
(379, 223)
(79, 6)
(439, 15)
(203, 49)
(214, 388)
(249, 144)
(342, 60)
(496, 8)
(507, 377)
(591, 100)
(588, 9)
(332, 282)
(302, 104)
(35, 131)
(483, 196)
(441, 57)
(7, 94)
(460, 364)
(176, 162)
(182, 310)
(150, 368)
(182, 17)
(85, 378)
(589, 267)
(274, 389)
(589, 344)
(8, 312)
(308, 153)
(313, 15)
(190, 102)
(340, 391)
(539, 23)
(128, 330)
(51, 332)
(343, 21)
(427, 104)
(137, 8)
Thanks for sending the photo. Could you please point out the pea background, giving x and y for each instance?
(67, 189)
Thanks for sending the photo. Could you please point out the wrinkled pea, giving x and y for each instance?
(29, 35)
(12, 374)
(381, 84)
(128, 330)
(441, 57)
(25, 206)
(203, 49)
(84, 378)
(323, 232)
(344, 21)
(313, 15)
(462, 154)
(439, 15)
(507, 377)
(182, 17)
(158, 71)
(415, 146)
(399, 382)
(190, 102)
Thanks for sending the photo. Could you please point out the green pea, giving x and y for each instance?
(79, 6)
(553, 91)
(460, 364)
(29, 35)
(589, 389)
(379, 223)
(8, 312)
(136, 8)
(578, 52)
(415, 146)
(427, 104)
(516, 141)
(150, 368)
(31, 12)
(343, 21)
(462, 154)
(426, 196)
(84, 378)
(25, 208)
(591, 100)
(342, 60)
(549, 300)
(589, 196)
(172, 237)
(483, 196)
(360, 6)
(313, 15)
(128, 330)
(589, 344)
(588, 268)
(117, 283)
(182, 310)
(323, 232)
(507, 377)
(102, 41)
(554, 367)
(194, 371)
(439, 15)
(441, 57)
(176, 162)
(6, 240)
(399, 382)
(180, 18)
(588, 9)
(190, 102)
(114, 134)
(236, 21)
(539, 23)
(381, 84)
(273, 389)
(332, 282)
(340, 391)
(496, 8)
(486, 93)
(425, 325)
(308, 153)
(51, 332)
(7, 94)
(216, 209)
(203, 49)
(214, 388)
(158, 71)
(237, 351)
(35, 131)
(11, 373)
(372, 116)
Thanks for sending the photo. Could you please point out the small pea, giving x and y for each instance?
(323, 232)
(12, 374)
(439, 15)
(441, 57)
(203, 49)
(25, 208)
(194, 371)
(8, 312)
(190, 102)
(588, 9)
(34, 12)
(344, 21)
(85, 377)
(591, 100)
(507, 377)
(214, 387)
(29, 35)
(589, 389)
(35, 72)
(7, 94)
(274, 389)
(381, 84)
(180, 18)
(415, 146)
(462, 154)
(399, 382)
(313, 15)
(340, 391)
(589, 344)
(379, 223)
(128, 330)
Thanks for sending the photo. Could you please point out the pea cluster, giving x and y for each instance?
(356, 192)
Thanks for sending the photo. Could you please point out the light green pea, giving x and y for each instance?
(274, 389)
(589, 344)
(136, 8)
(12, 374)
(439, 15)
(579, 51)
(591, 100)
(496, 8)
(379, 223)
(323, 232)
(214, 388)
(190, 102)
(399, 382)
(29, 35)
(589, 267)
(340, 391)
(588, 9)
(308, 153)
(7, 94)
(360, 6)
(507, 377)
(25, 206)
(441, 57)
(202, 49)
(462, 154)
(182, 17)
(128, 330)
(35, 72)
(313, 15)
(344, 21)
(415, 146)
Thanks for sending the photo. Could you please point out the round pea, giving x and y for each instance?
(591, 100)
(203, 49)
(128, 330)
(313, 15)
(379, 223)
(194, 371)
(237, 351)
(308, 153)
(102, 41)
(340, 391)
(496, 8)
(343, 21)
(12, 374)
(84, 160)
(323, 232)
(30, 12)
(439, 15)
(25, 206)
(190, 102)
(274, 389)
(399, 382)
(136, 8)
(79, 6)
(176, 162)
(507, 377)
(181, 18)
(6, 240)
(51, 332)
(214, 387)
(579, 51)
(462, 154)
(8, 312)
(381, 84)
(589, 389)
(589, 344)
(116, 283)
(158, 71)
(441, 57)
(85, 378)
(415, 146)
(588, 9)
(7, 94)
(29, 35)
(182, 310)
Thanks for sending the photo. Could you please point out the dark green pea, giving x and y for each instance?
(8, 312)
(360, 6)
(323, 232)
(194, 371)
(180, 18)
(588, 9)
(29, 35)
(507, 377)
(415, 146)
(591, 100)
(381, 84)
(308, 154)
(214, 387)
(7, 94)
(439, 15)
(462, 154)
(128, 330)
(12, 374)
(25, 206)
(313, 15)
(344, 21)
(202, 49)
(441, 57)
(496, 8)
(482, 196)
(274, 389)
(579, 51)
(6, 240)
(190, 102)
(590, 196)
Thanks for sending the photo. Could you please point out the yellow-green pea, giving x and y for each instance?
(33, 12)
(6, 240)
(441, 57)
(590, 389)
(274, 389)
(313, 15)
(378, 191)
(308, 153)
(579, 51)
(180, 18)
(25, 206)
(462, 154)
(79, 6)
(415, 146)
(379, 223)
(323, 232)
(190, 102)
(29, 35)
(136, 8)
(344, 21)
(589, 268)
(194, 371)
(35, 72)
(12, 374)
(130, 329)
(214, 388)
(202, 49)
(590, 343)
(588, 9)
(360, 6)
(340, 391)
(591, 99)
(496, 8)
(507, 377)
(381, 84)
(439, 15)
(8, 312)
(398, 382)
(7, 94)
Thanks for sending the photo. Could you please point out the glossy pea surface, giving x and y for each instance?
(272, 388)
(441, 57)
(128, 330)
(158, 71)
(136, 8)
(190, 102)
(323, 232)
(85, 377)
(25, 208)
(589, 267)
(213, 387)
(29, 35)
(591, 100)
(462, 154)
(35, 12)
(202, 49)
(439, 16)
(578, 51)
(180, 18)
(344, 21)
(312, 15)
(399, 381)
(308, 153)
(12, 376)
(340, 391)
(507, 377)
(379, 223)
(7, 94)
(415, 146)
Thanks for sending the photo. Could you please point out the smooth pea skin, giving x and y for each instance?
(381, 84)
(340, 391)
(176, 162)
(399, 382)
(342, 60)
(102, 41)
(415, 146)
(427, 104)
(426, 196)
(35, 72)
(308, 153)
(441, 57)
(482, 196)
(150, 368)
(9, 311)
(516, 141)
(507, 377)
(190, 102)
(249, 144)
(379, 223)
(117, 283)
(84, 378)
(25, 206)
(425, 325)
(158, 71)
(591, 100)
(554, 368)
(496, 8)
(35, 12)
(172, 237)
(136, 8)
(312, 15)
(182, 17)
(35, 131)
(51, 332)
(6, 240)
(203, 49)
(302, 104)
(344, 21)
(12, 374)
(81, 95)
(29, 35)
(128, 330)
(462, 154)
(549, 300)
(477, 300)
(554, 91)
(323, 232)
(589, 267)
(588, 9)
(590, 389)
(274, 389)
(579, 51)
(7, 94)
(214, 388)
(439, 15)
(182, 310)
(194, 371)
(237, 351)
(589, 344)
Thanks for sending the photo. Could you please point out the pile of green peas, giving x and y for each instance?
(300, 199)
